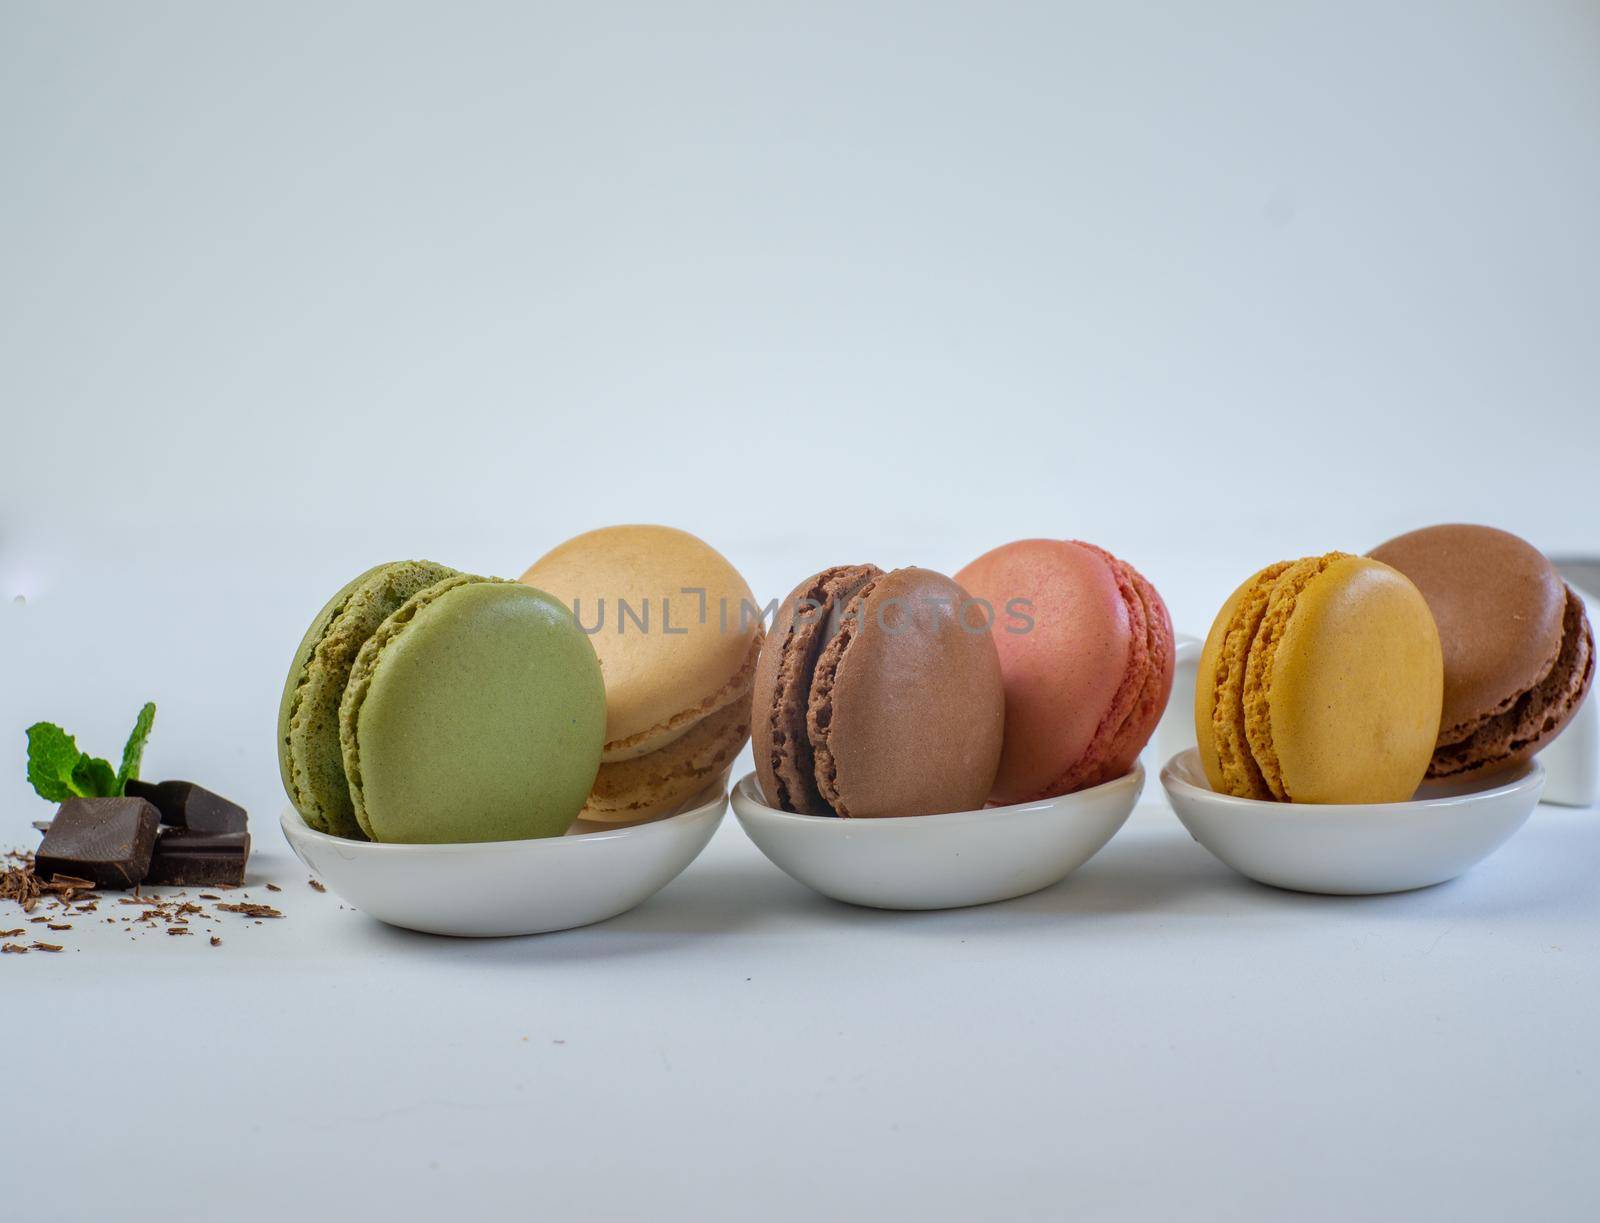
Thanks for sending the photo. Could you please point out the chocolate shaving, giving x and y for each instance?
(18, 883)
(68, 895)
(250, 909)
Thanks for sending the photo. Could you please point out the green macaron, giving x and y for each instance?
(474, 711)
(309, 755)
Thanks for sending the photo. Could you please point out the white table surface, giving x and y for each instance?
(1156, 1037)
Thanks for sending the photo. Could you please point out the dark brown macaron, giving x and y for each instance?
(877, 694)
(1518, 648)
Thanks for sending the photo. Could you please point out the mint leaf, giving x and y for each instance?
(52, 756)
(57, 770)
(94, 778)
(134, 751)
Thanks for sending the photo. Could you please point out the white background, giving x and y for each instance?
(288, 290)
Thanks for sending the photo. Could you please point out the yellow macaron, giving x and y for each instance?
(678, 633)
(1321, 681)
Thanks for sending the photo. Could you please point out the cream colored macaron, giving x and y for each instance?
(677, 631)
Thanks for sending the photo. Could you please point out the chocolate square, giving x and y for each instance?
(186, 805)
(185, 858)
(106, 840)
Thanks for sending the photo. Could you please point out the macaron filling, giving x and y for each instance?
(1532, 716)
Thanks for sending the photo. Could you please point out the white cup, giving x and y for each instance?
(1175, 731)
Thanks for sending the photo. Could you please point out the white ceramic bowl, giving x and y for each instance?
(1353, 850)
(497, 888)
(939, 861)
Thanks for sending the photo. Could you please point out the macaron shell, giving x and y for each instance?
(629, 791)
(310, 759)
(1282, 598)
(1499, 605)
(293, 690)
(1532, 721)
(475, 713)
(1354, 687)
(696, 651)
(1150, 700)
(907, 707)
(806, 621)
(1128, 724)
(1219, 689)
(1206, 684)
(1065, 675)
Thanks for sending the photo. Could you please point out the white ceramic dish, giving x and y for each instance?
(1353, 850)
(510, 887)
(939, 861)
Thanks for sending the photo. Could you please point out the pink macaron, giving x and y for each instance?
(1086, 656)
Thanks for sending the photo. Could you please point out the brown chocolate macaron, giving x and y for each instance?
(1518, 648)
(877, 694)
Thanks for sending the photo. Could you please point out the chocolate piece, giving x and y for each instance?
(186, 805)
(107, 840)
(185, 858)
